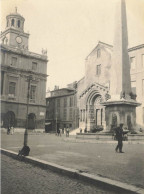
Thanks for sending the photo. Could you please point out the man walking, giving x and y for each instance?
(119, 138)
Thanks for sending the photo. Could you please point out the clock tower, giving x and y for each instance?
(14, 34)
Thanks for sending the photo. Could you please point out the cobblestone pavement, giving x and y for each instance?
(93, 158)
(23, 178)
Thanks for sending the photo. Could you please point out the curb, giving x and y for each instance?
(106, 183)
(78, 140)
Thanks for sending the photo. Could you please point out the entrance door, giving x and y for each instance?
(9, 119)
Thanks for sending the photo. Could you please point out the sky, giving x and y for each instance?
(70, 29)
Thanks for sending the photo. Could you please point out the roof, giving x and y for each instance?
(100, 43)
(136, 47)
(111, 46)
(24, 52)
(15, 14)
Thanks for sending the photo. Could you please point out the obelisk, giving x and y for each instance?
(121, 107)
(120, 69)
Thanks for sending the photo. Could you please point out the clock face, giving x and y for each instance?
(19, 39)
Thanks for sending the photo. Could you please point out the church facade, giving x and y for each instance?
(23, 77)
(93, 88)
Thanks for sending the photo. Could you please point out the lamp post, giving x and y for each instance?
(28, 94)
(25, 150)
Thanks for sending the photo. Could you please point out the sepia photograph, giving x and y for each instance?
(72, 96)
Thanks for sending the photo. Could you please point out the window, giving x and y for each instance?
(71, 101)
(98, 69)
(132, 63)
(98, 53)
(14, 61)
(18, 23)
(65, 114)
(47, 114)
(58, 113)
(34, 66)
(2, 81)
(133, 86)
(65, 102)
(33, 93)
(70, 114)
(12, 89)
(58, 102)
(143, 60)
(12, 22)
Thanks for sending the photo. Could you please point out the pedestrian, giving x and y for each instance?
(119, 138)
(60, 131)
(67, 132)
(8, 130)
(85, 130)
(12, 130)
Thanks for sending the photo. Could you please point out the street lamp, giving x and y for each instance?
(25, 150)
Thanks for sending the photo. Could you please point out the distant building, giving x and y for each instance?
(62, 109)
(18, 65)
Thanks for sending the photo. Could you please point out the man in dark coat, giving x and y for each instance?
(119, 137)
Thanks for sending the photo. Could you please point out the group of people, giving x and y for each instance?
(62, 131)
(10, 130)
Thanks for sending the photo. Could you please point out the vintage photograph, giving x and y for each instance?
(72, 96)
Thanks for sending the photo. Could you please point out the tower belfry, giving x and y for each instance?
(122, 104)
(14, 34)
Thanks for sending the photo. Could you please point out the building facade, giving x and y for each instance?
(23, 77)
(62, 109)
(93, 89)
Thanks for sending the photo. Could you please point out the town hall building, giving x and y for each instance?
(23, 77)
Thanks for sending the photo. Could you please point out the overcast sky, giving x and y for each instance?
(70, 29)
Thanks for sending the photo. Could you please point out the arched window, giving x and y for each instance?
(12, 22)
(18, 23)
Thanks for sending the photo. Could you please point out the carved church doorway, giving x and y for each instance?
(98, 110)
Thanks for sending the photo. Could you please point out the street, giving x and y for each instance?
(94, 158)
(23, 178)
